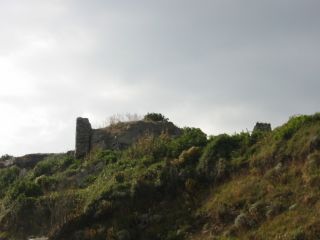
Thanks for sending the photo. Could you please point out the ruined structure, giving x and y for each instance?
(83, 137)
(262, 127)
(118, 136)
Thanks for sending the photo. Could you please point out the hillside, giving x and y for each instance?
(259, 185)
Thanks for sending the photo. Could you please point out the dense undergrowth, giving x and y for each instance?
(259, 185)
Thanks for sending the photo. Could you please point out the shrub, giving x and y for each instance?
(5, 157)
(311, 169)
(107, 156)
(190, 137)
(187, 157)
(142, 187)
(55, 163)
(7, 177)
(274, 209)
(47, 183)
(25, 188)
(225, 213)
(119, 177)
(150, 148)
(67, 161)
(190, 185)
(155, 117)
(46, 167)
(243, 221)
(287, 130)
(170, 180)
(218, 151)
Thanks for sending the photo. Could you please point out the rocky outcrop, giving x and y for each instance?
(27, 161)
(30, 160)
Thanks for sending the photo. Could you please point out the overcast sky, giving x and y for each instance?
(220, 65)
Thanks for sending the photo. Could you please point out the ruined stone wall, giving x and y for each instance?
(124, 134)
(118, 136)
(262, 127)
(83, 137)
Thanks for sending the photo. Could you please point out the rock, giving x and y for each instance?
(30, 160)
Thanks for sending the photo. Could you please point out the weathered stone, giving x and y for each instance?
(118, 136)
(83, 137)
(262, 127)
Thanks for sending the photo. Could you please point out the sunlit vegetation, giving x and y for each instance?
(259, 185)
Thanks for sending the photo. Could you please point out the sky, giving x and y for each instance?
(220, 65)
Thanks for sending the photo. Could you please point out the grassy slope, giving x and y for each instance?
(278, 195)
(259, 186)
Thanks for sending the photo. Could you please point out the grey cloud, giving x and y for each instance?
(219, 65)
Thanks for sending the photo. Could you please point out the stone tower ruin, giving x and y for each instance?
(83, 137)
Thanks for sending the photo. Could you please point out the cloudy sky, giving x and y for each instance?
(220, 65)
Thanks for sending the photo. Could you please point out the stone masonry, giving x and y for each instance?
(262, 127)
(118, 136)
(83, 137)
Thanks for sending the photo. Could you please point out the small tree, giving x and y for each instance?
(155, 117)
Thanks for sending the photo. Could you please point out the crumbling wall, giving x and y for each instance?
(83, 137)
(122, 135)
(262, 127)
(118, 136)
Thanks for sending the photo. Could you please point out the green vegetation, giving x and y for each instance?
(264, 185)
(155, 117)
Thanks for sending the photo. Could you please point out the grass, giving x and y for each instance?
(162, 188)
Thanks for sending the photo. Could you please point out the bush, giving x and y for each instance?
(143, 188)
(190, 137)
(311, 169)
(46, 167)
(243, 221)
(287, 130)
(26, 189)
(149, 148)
(5, 157)
(170, 180)
(190, 185)
(47, 183)
(188, 157)
(7, 177)
(53, 164)
(216, 155)
(119, 177)
(155, 117)
(107, 156)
